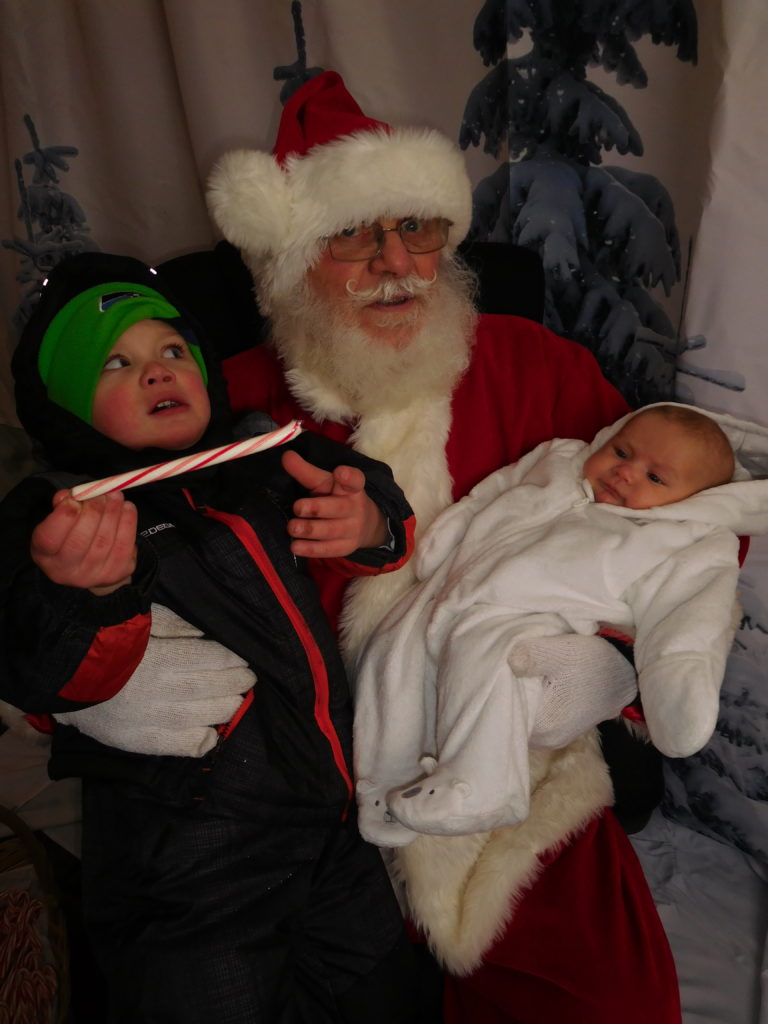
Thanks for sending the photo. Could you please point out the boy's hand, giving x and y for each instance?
(89, 544)
(339, 518)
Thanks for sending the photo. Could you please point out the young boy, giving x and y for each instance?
(234, 886)
(638, 530)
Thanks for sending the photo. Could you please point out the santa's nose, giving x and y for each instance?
(393, 257)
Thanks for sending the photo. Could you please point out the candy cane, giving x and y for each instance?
(187, 463)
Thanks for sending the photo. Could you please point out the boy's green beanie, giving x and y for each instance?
(81, 335)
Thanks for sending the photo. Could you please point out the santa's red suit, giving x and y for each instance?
(551, 920)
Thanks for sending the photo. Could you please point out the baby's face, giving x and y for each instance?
(151, 393)
(650, 462)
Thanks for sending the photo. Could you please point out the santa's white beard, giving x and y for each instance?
(397, 399)
(325, 351)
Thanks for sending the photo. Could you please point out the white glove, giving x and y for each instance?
(586, 681)
(184, 686)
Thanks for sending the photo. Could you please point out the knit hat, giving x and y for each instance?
(332, 167)
(81, 335)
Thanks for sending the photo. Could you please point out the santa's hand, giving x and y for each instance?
(586, 681)
(183, 688)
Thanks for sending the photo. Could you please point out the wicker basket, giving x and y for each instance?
(34, 958)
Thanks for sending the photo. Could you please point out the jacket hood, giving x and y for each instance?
(65, 441)
(742, 504)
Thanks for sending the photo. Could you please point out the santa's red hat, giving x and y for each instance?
(332, 167)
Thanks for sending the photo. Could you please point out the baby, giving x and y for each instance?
(638, 529)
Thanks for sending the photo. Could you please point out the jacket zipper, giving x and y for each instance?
(248, 538)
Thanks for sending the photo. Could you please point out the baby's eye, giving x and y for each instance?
(174, 351)
(619, 452)
(116, 363)
(655, 478)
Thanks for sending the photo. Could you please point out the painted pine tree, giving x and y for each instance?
(296, 74)
(54, 222)
(606, 234)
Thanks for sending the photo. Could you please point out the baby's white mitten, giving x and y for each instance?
(586, 681)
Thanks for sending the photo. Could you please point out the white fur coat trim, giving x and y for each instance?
(462, 890)
(412, 442)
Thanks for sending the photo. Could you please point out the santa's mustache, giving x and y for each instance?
(390, 289)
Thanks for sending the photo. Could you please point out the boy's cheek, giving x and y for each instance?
(112, 415)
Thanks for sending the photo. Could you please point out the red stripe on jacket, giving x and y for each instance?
(111, 660)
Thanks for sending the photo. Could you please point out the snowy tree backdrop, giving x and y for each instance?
(606, 234)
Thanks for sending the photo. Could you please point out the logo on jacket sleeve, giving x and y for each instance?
(152, 530)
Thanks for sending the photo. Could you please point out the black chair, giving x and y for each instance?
(510, 278)
(216, 286)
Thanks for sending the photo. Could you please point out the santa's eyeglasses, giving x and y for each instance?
(366, 241)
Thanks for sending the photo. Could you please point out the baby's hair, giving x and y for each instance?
(705, 430)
